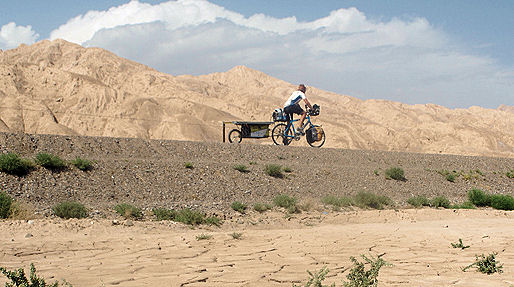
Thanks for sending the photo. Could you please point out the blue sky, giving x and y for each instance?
(452, 53)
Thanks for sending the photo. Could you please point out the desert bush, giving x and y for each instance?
(365, 199)
(487, 265)
(337, 202)
(82, 164)
(479, 197)
(287, 169)
(451, 177)
(261, 207)
(11, 163)
(5, 205)
(18, 278)
(418, 201)
(464, 205)
(128, 211)
(21, 211)
(203, 237)
(50, 161)
(440, 201)
(360, 277)
(213, 220)
(69, 210)
(238, 206)
(510, 173)
(284, 200)
(503, 202)
(236, 235)
(316, 279)
(164, 213)
(274, 170)
(395, 173)
(241, 168)
(188, 165)
(459, 245)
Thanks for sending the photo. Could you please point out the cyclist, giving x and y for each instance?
(292, 106)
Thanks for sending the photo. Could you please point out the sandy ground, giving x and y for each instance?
(273, 250)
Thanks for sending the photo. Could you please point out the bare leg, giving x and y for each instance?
(304, 114)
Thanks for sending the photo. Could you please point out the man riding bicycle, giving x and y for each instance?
(292, 106)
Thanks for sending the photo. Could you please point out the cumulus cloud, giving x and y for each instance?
(345, 52)
(12, 35)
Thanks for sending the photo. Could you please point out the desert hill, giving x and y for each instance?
(55, 87)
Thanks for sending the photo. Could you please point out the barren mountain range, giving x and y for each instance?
(56, 87)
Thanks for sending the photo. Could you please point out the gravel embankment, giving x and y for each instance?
(150, 173)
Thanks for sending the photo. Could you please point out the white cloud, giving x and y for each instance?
(402, 60)
(11, 36)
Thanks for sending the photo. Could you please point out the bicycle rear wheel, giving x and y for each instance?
(281, 135)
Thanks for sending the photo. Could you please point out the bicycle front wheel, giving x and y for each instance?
(281, 135)
(317, 143)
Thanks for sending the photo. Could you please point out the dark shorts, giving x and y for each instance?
(294, 109)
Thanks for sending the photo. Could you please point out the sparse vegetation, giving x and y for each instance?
(21, 211)
(82, 164)
(188, 165)
(236, 235)
(460, 245)
(5, 205)
(337, 202)
(11, 163)
(18, 278)
(395, 173)
(186, 216)
(365, 199)
(450, 176)
(128, 211)
(316, 279)
(274, 170)
(510, 173)
(464, 205)
(360, 277)
(203, 237)
(241, 168)
(375, 172)
(440, 201)
(487, 265)
(69, 210)
(284, 200)
(503, 202)
(479, 197)
(49, 161)
(261, 207)
(288, 169)
(238, 206)
(418, 201)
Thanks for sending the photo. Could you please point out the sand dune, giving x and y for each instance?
(62, 88)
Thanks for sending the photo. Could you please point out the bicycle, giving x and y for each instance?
(286, 133)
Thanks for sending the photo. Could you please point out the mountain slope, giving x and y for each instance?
(62, 88)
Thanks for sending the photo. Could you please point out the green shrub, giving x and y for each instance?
(287, 169)
(487, 265)
(18, 278)
(236, 235)
(11, 163)
(285, 201)
(464, 205)
(274, 170)
(510, 173)
(5, 205)
(241, 168)
(359, 277)
(82, 164)
(203, 237)
(418, 201)
(316, 279)
(503, 202)
(440, 201)
(238, 206)
(365, 199)
(451, 177)
(395, 173)
(261, 207)
(337, 202)
(50, 161)
(69, 210)
(460, 245)
(164, 213)
(128, 211)
(479, 198)
(213, 220)
(188, 165)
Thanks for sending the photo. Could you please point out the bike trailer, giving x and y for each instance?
(314, 134)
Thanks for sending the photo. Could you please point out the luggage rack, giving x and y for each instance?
(256, 130)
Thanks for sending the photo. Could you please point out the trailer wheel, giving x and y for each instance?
(234, 136)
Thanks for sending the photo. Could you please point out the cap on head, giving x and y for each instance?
(302, 88)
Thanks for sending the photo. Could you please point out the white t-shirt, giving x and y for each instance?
(295, 97)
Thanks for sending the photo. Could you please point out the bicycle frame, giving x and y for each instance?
(290, 125)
